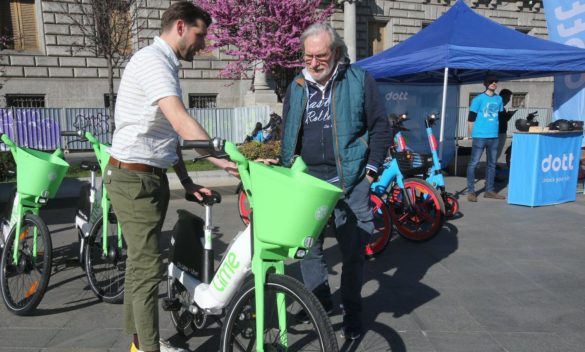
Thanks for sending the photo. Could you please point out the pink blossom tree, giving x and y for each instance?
(262, 34)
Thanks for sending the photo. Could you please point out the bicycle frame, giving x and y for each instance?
(435, 177)
(102, 155)
(23, 204)
(392, 173)
(101, 152)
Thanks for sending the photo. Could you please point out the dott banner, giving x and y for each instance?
(566, 24)
(418, 101)
(544, 168)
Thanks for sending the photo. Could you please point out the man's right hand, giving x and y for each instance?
(268, 161)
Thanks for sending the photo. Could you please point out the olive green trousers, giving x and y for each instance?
(140, 201)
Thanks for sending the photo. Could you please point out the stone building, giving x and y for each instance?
(41, 69)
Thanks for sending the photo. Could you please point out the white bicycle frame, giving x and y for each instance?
(234, 267)
(85, 225)
(8, 225)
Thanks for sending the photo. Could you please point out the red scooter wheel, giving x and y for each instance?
(382, 228)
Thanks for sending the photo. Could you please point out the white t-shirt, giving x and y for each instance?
(143, 134)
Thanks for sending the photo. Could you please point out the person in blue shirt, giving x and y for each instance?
(483, 125)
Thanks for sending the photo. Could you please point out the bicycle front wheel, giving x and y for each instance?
(106, 271)
(24, 283)
(382, 228)
(424, 219)
(239, 329)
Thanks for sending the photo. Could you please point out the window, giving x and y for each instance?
(202, 101)
(107, 99)
(376, 37)
(18, 21)
(518, 100)
(121, 28)
(25, 101)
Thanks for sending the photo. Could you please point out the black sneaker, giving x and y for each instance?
(351, 333)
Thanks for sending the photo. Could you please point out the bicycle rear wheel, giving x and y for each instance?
(106, 272)
(239, 329)
(427, 215)
(382, 230)
(244, 207)
(24, 284)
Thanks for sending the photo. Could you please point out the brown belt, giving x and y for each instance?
(135, 166)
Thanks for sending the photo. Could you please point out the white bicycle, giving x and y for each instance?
(267, 301)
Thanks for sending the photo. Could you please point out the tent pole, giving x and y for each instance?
(443, 117)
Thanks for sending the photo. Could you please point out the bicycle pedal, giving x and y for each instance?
(171, 305)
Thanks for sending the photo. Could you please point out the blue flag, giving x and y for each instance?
(566, 24)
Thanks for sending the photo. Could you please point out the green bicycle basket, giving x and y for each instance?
(38, 172)
(289, 205)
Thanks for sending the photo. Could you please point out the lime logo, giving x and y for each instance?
(563, 162)
(226, 272)
(321, 213)
(52, 176)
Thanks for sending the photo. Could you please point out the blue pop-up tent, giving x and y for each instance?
(462, 46)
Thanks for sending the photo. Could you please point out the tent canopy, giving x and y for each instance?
(470, 46)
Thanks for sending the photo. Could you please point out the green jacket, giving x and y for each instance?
(358, 116)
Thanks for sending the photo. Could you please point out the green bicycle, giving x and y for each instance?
(25, 263)
(102, 250)
(261, 310)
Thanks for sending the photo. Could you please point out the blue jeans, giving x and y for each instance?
(477, 147)
(354, 222)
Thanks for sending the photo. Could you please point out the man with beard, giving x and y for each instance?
(149, 117)
(335, 119)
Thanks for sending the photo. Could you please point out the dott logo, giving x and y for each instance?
(564, 162)
(397, 96)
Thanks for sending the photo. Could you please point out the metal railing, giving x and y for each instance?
(40, 128)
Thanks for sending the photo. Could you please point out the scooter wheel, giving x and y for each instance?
(451, 205)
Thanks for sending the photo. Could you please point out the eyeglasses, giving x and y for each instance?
(319, 57)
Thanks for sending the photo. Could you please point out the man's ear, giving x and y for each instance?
(180, 26)
(337, 54)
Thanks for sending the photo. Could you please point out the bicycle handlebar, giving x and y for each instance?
(213, 145)
(78, 133)
(431, 119)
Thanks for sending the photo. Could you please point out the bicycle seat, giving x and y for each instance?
(214, 198)
(89, 165)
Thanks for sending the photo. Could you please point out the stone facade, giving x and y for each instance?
(69, 78)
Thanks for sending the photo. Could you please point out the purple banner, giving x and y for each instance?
(29, 128)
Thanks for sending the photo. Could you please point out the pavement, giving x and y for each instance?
(498, 277)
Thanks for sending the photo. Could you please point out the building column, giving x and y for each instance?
(263, 93)
(349, 28)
